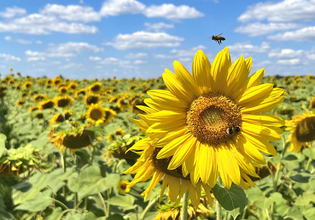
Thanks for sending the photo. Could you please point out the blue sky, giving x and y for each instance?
(129, 38)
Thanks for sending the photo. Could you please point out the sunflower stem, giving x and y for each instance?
(184, 215)
(149, 206)
(219, 211)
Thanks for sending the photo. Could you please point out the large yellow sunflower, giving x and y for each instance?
(302, 131)
(211, 123)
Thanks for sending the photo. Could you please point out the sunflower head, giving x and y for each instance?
(28, 85)
(72, 138)
(33, 109)
(39, 97)
(212, 123)
(92, 99)
(20, 103)
(46, 104)
(73, 86)
(96, 88)
(57, 80)
(80, 94)
(96, 114)
(64, 101)
(302, 131)
(57, 118)
(123, 187)
(62, 90)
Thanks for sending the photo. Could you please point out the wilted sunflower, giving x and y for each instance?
(72, 139)
(96, 88)
(149, 166)
(92, 99)
(302, 131)
(96, 114)
(28, 85)
(211, 123)
(64, 101)
(45, 104)
(123, 186)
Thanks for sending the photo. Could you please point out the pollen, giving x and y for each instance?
(210, 117)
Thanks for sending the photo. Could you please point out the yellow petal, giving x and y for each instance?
(254, 93)
(255, 79)
(262, 132)
(263, 119)
(201, 69)
(169, 149)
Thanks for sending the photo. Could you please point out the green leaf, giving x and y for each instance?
(38, 203)
(56, 179)
(3, 150)
(4, 215)
(79, 216)
(56, 214)
(115, 217)
(91, 181)
(73, 182)
(233, 199)
(126, 202)
(302, 177)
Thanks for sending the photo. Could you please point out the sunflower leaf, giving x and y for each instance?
(3, 150)
(233, 200)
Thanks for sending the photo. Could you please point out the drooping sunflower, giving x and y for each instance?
(211, 123)
(302, 131)
(96, 114)
(64, 101)
(73, 138)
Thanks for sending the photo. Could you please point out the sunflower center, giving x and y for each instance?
(162, 164)
(305, 130)
(213, 118)
(96, 114)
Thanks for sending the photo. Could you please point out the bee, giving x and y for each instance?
(218, 38)
(231, 130)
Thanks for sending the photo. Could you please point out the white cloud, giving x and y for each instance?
(187, 52)
(283, 11)
(171, 11)
(303, 34)
(246, 47)
(143, 39)
(158, 26)
(12, 12)
(95, 58)
(292, 62)
(71, 49)
(285, 53)
(138, 62)
(34, 56)
(114, 61)
(117, 7)
(8, 38)
(256, 29)
(136, 55)
(72, 12)
(42, 24)
(9, 57)
(22, 41)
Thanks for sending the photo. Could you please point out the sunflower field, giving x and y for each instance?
(83, 149)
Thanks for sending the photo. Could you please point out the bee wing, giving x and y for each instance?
(220, 34)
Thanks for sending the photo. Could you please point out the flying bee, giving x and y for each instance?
(231, 130)
(218, 38)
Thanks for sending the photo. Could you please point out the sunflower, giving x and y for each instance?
(45, 104)
(20, 103)
(211, 123)
(73, 86)
(57, 80)
(62, 90)
(33, 109)
(64, 101)
(302, 131)
(109, 115)
(96, 88)
(92, 99)
(57, 118)
(28, 85)
(80, 94)
(312, 103)
(148, 165)
(96, 114)
(39, 97)
(123, 186)
(72, 139)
